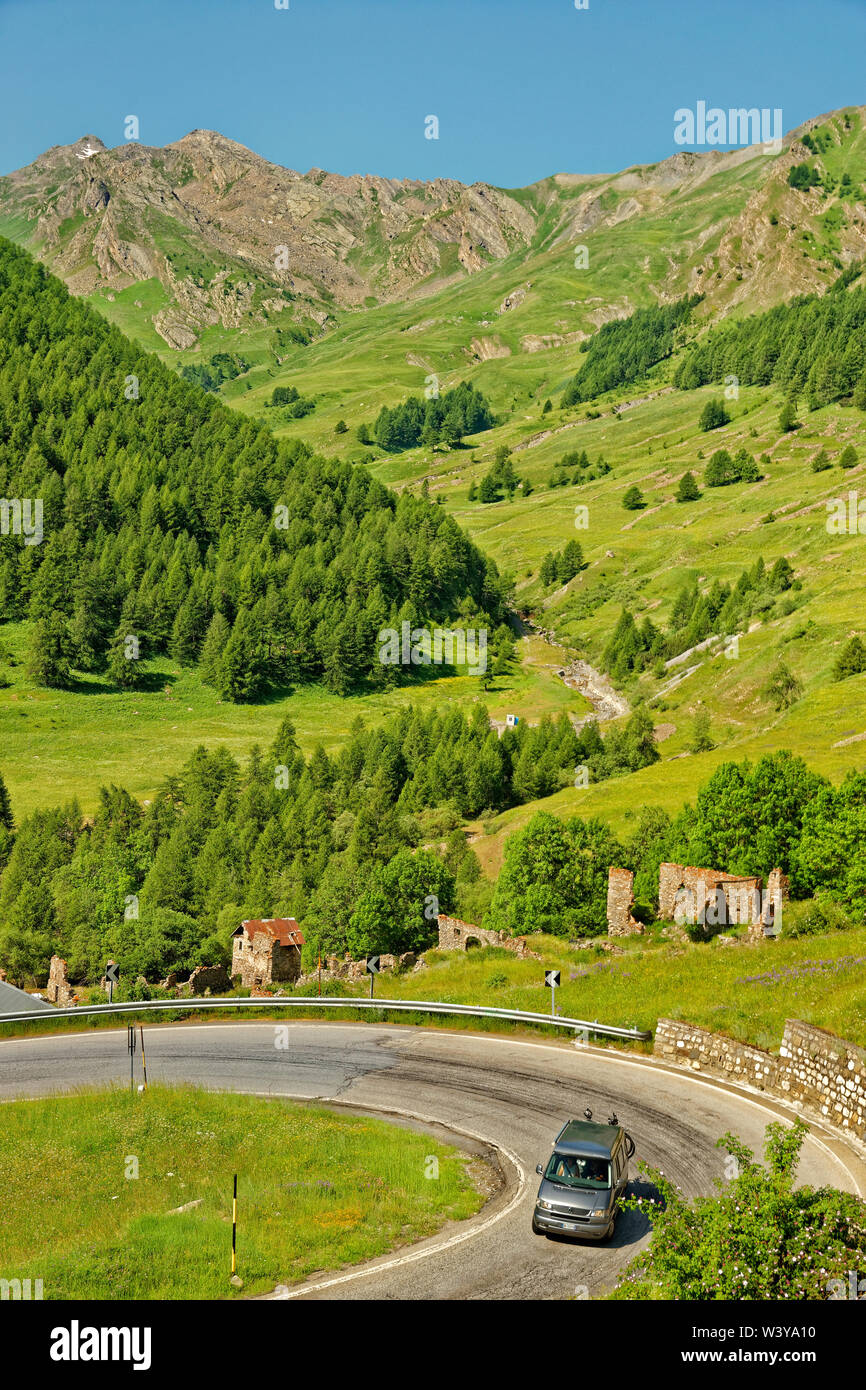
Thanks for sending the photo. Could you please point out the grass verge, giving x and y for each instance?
(92, 1182)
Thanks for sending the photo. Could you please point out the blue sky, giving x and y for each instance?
(521, 88)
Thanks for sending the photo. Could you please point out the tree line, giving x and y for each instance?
(364, 848)
(284, 835)
(444, 418)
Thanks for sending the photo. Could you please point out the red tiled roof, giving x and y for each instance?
(285, 930)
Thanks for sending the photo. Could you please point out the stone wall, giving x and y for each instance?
(347, 969)
(687, 893)
(739, 892)
(455, 935)
(620, 899)
(813, 1069)
(211, 979)
(58, 990)
(825, 1073)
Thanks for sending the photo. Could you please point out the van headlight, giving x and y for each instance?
(548, 1206)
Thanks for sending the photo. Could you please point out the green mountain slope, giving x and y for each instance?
(166, 524)
(740, 230)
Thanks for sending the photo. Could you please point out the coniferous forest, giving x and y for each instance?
(623, 350)
(170, 520)
(813, 345)
(318, 839)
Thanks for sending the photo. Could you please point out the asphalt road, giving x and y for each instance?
(507, 1094)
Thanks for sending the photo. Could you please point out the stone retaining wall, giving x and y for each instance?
(813, 1069)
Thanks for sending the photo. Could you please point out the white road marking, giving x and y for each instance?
(282, 1292)
(604, 1054)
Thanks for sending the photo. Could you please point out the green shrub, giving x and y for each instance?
(814, 917)
(760, 1237)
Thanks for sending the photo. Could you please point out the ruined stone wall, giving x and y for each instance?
(778, 883)
(209, 977)
(742, 900)
(347, 969)
(58, 990)
(813, 1069)
(620, 899)
(743, 905)
(454, 935)
(285, 961)
(670, 879)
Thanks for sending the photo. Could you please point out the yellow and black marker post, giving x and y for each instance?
(235, 1228)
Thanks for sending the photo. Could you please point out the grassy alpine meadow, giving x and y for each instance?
(60, 744)
(93, 1183)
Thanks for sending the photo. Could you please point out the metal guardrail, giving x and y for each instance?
(576, 1025)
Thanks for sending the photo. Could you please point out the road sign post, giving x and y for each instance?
(372, 964)
(551, 979)
(112, 975)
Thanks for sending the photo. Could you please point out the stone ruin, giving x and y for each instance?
(706, 896)
(455, 935)
(620, 898)
(267, 951)
(58, 990)
(717, 899)
(208, 979)
(333, 968)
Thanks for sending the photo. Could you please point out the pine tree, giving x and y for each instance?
(713, 415)
(570, 562)
(48, 661)
(124, 659)
(701, 740)
(242, 675)
(788, 418)
(783, 688)
(211, 659)
(548, 570)
(851, 661)
(6, 819)
(687, 489)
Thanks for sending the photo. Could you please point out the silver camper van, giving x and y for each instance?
(583, 1180)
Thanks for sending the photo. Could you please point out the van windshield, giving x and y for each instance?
(572, 1170)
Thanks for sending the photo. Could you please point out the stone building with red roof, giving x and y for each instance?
(266, 951)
